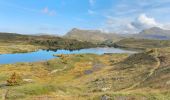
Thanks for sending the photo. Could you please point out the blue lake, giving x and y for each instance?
(43, 55)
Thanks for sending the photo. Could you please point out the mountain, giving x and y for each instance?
(12, 37)
(44, 41)
(3, 34)
(154, 33)
(142, 44)
(91, 35)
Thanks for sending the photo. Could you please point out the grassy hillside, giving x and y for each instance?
(154, 33)
(132, 43)
(139, 76)
(92, 77)
(13, 43)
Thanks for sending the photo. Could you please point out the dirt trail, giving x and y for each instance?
(57, 70)
(151, 72)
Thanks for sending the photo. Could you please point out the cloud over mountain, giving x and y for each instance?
(136, 25)
(145, 22)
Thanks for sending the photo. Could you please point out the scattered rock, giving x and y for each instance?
(57, 70)
(87, 72)
(28, 80)
(54, 71)
(168, 82)
(105, 89)
(105, 97)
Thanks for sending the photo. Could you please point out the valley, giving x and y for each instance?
(89, 75)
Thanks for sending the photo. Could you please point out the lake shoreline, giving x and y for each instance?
(44, 55)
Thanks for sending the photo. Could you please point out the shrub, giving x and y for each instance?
(14, 79)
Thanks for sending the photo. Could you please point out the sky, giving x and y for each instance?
(60, 16)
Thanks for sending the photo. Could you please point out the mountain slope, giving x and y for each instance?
(15, 43)
(133, 43)
(154, 33)
(91, 35)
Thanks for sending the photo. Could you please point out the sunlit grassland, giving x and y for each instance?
(63, 81)
(17, 48)
(90, 76)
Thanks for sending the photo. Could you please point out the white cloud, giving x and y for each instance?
(49, 12)
(123, 25)
(144, 22)
(117, 25)
(167, 26)
(136, 7)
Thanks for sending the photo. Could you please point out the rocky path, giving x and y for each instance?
(151, 72)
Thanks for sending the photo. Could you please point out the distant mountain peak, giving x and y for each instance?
(90, 35)
(77, 29)
(156, 28)
(154, 33)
